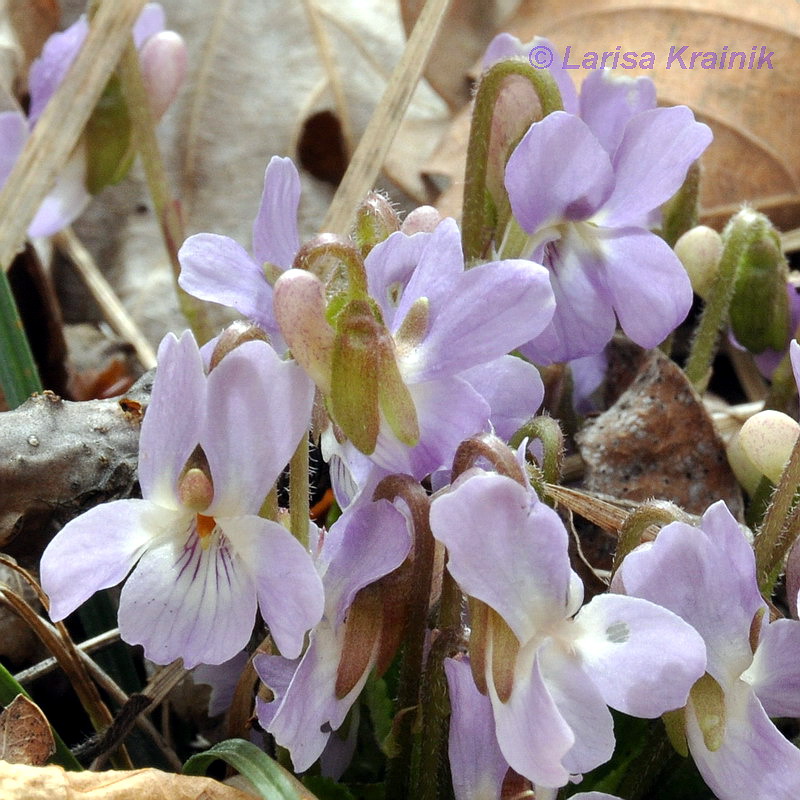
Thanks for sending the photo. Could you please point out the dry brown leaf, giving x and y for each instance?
(658, 441)
(21, 782)
(755, 155)
(25, 735)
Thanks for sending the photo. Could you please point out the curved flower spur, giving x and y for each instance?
(211, 447)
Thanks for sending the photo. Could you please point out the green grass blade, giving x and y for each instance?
(19, 377)
(268, 777)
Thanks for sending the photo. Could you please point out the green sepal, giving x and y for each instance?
(394, 398)
(708, 700)
(109, 141)
(675, 726)
(759, 311)
(355, 369)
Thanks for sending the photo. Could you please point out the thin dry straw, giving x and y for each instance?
(380, 132)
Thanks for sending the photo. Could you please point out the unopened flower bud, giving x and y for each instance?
(759, 311)
(376, 220)
(422, 219)
(767, 439)
(299, 303)
(746, 472)
(699, 250)
(163, 62)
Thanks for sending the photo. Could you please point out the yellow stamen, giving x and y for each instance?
(205, 527)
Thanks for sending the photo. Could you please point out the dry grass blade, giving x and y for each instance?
(60, 126)
(332, 71)
(119, 319)
(380, 132)
(49, 664)
(605, 515)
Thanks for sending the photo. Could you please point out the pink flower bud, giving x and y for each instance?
(163, 61)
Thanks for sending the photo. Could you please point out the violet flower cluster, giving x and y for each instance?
(394, 358)
(586, 185)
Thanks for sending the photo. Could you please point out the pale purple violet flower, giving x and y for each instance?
(562, 663)
(707, 576)
(202, 559)
(163, 59)
(218, 269)
(368, 541)
(586, 185)
(455, 365)
(477, 765)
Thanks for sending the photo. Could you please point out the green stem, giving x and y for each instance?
(768, 545)
(166, 207)
(19, 377)
(548, 432)
(715, 313)
(298, 492)
(630, 534)
(319, 256)
(783, 387)
(478, 226)
(408, 706)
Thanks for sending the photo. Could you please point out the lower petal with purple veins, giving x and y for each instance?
(189, 600)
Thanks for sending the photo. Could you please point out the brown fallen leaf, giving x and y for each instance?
(22, 782)
(755, 155)
(25, 735)
(658, 441)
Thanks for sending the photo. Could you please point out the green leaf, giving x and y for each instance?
(19, 377)
(379, 704)
(9, 689)
(268, 777)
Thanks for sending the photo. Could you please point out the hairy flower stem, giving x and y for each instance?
(548, 432)
(770, 546)
(298, 492)
(166, 207)
(427, 781)
(323, 254)
(715, 314)
(408, 704)
(630, 535)
(480, 210)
